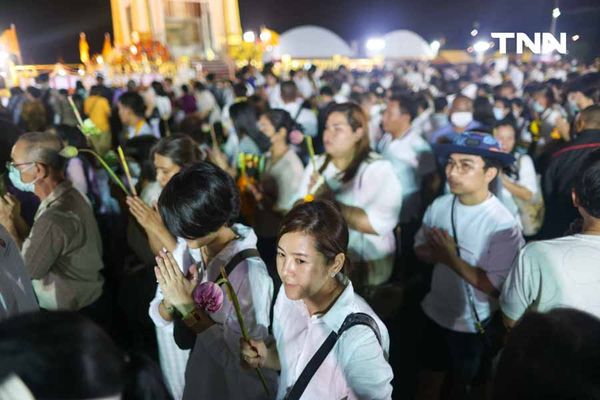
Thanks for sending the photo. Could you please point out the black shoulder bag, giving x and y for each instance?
(317, 359)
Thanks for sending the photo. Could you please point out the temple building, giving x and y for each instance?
(207, 29)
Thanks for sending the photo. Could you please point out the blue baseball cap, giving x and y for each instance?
(478, 144)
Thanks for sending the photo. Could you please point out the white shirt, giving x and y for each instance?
(213, 370)
(16, 292)
(377, 191)
(489, 238)
(287, 173)
(306, 117)
(356, 367)
(563, 272)
(412, 159)
(527, 179)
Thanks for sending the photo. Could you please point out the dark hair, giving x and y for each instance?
(439, 103)
(281, 119)
(505, 102)
(96, 91)
(144, 380)
(483, 111)
(322, 220)
(61, 355)
(587, 184)
(185, 89)
(289, 90)
(407, 104)
(546, 90)
(135, 102)
(199, 86)
(199, 200)
(326, 91)
(554, 355)
(240, 90)
(159, 89)
(243, 116)
(181, 149)
(357, 119)
(72, 136)
(591, 117)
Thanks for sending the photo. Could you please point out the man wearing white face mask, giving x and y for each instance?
(63, 249)
(461, 120)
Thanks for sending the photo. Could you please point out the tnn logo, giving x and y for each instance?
(542, 43)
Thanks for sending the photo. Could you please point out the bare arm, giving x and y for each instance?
(357, 219)
(517, 190)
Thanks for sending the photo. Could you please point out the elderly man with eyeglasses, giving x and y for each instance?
(63, 249)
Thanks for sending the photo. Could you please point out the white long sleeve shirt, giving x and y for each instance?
(213, 370)
(356, 367)
(376, 190)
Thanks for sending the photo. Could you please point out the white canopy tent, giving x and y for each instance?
(311, 42)
(406, 45)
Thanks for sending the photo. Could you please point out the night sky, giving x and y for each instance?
(48, 30)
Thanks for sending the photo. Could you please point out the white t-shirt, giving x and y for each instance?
(287, 173)
(563, 272)
(356, 367)
(377, 191)
(412, 159)
(527, 179)
(489, 238)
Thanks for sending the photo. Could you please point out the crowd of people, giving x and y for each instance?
(416, 231)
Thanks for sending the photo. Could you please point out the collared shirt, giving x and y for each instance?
(16, 292)
(376, 190)
(63, 252)
(213, 370)
(356, 367)
(412, 159)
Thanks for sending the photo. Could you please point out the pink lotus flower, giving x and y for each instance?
(208, 296)
(296, 137)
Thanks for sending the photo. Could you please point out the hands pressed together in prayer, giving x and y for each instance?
(147, 217)
(442, 245)
(176, 287)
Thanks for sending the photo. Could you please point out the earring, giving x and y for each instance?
(332, 274)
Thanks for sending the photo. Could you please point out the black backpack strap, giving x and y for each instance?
(238, 258)
(317, 359)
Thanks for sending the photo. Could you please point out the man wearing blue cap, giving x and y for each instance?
(472, 240)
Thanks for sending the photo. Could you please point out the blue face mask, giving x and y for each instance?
(14, 175)
(498, 113)
(537, 107)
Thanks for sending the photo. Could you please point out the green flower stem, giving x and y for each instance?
(108, 169)
(236, 305)
(311, 151)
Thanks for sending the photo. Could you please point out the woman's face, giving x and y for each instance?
(165, 169)
(505, 135)
(266, 127)
(302, 269)
(339, 138)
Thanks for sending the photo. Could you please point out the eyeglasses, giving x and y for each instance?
(11, 164)
(461, 168)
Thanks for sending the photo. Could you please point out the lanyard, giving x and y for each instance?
(470, 297)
